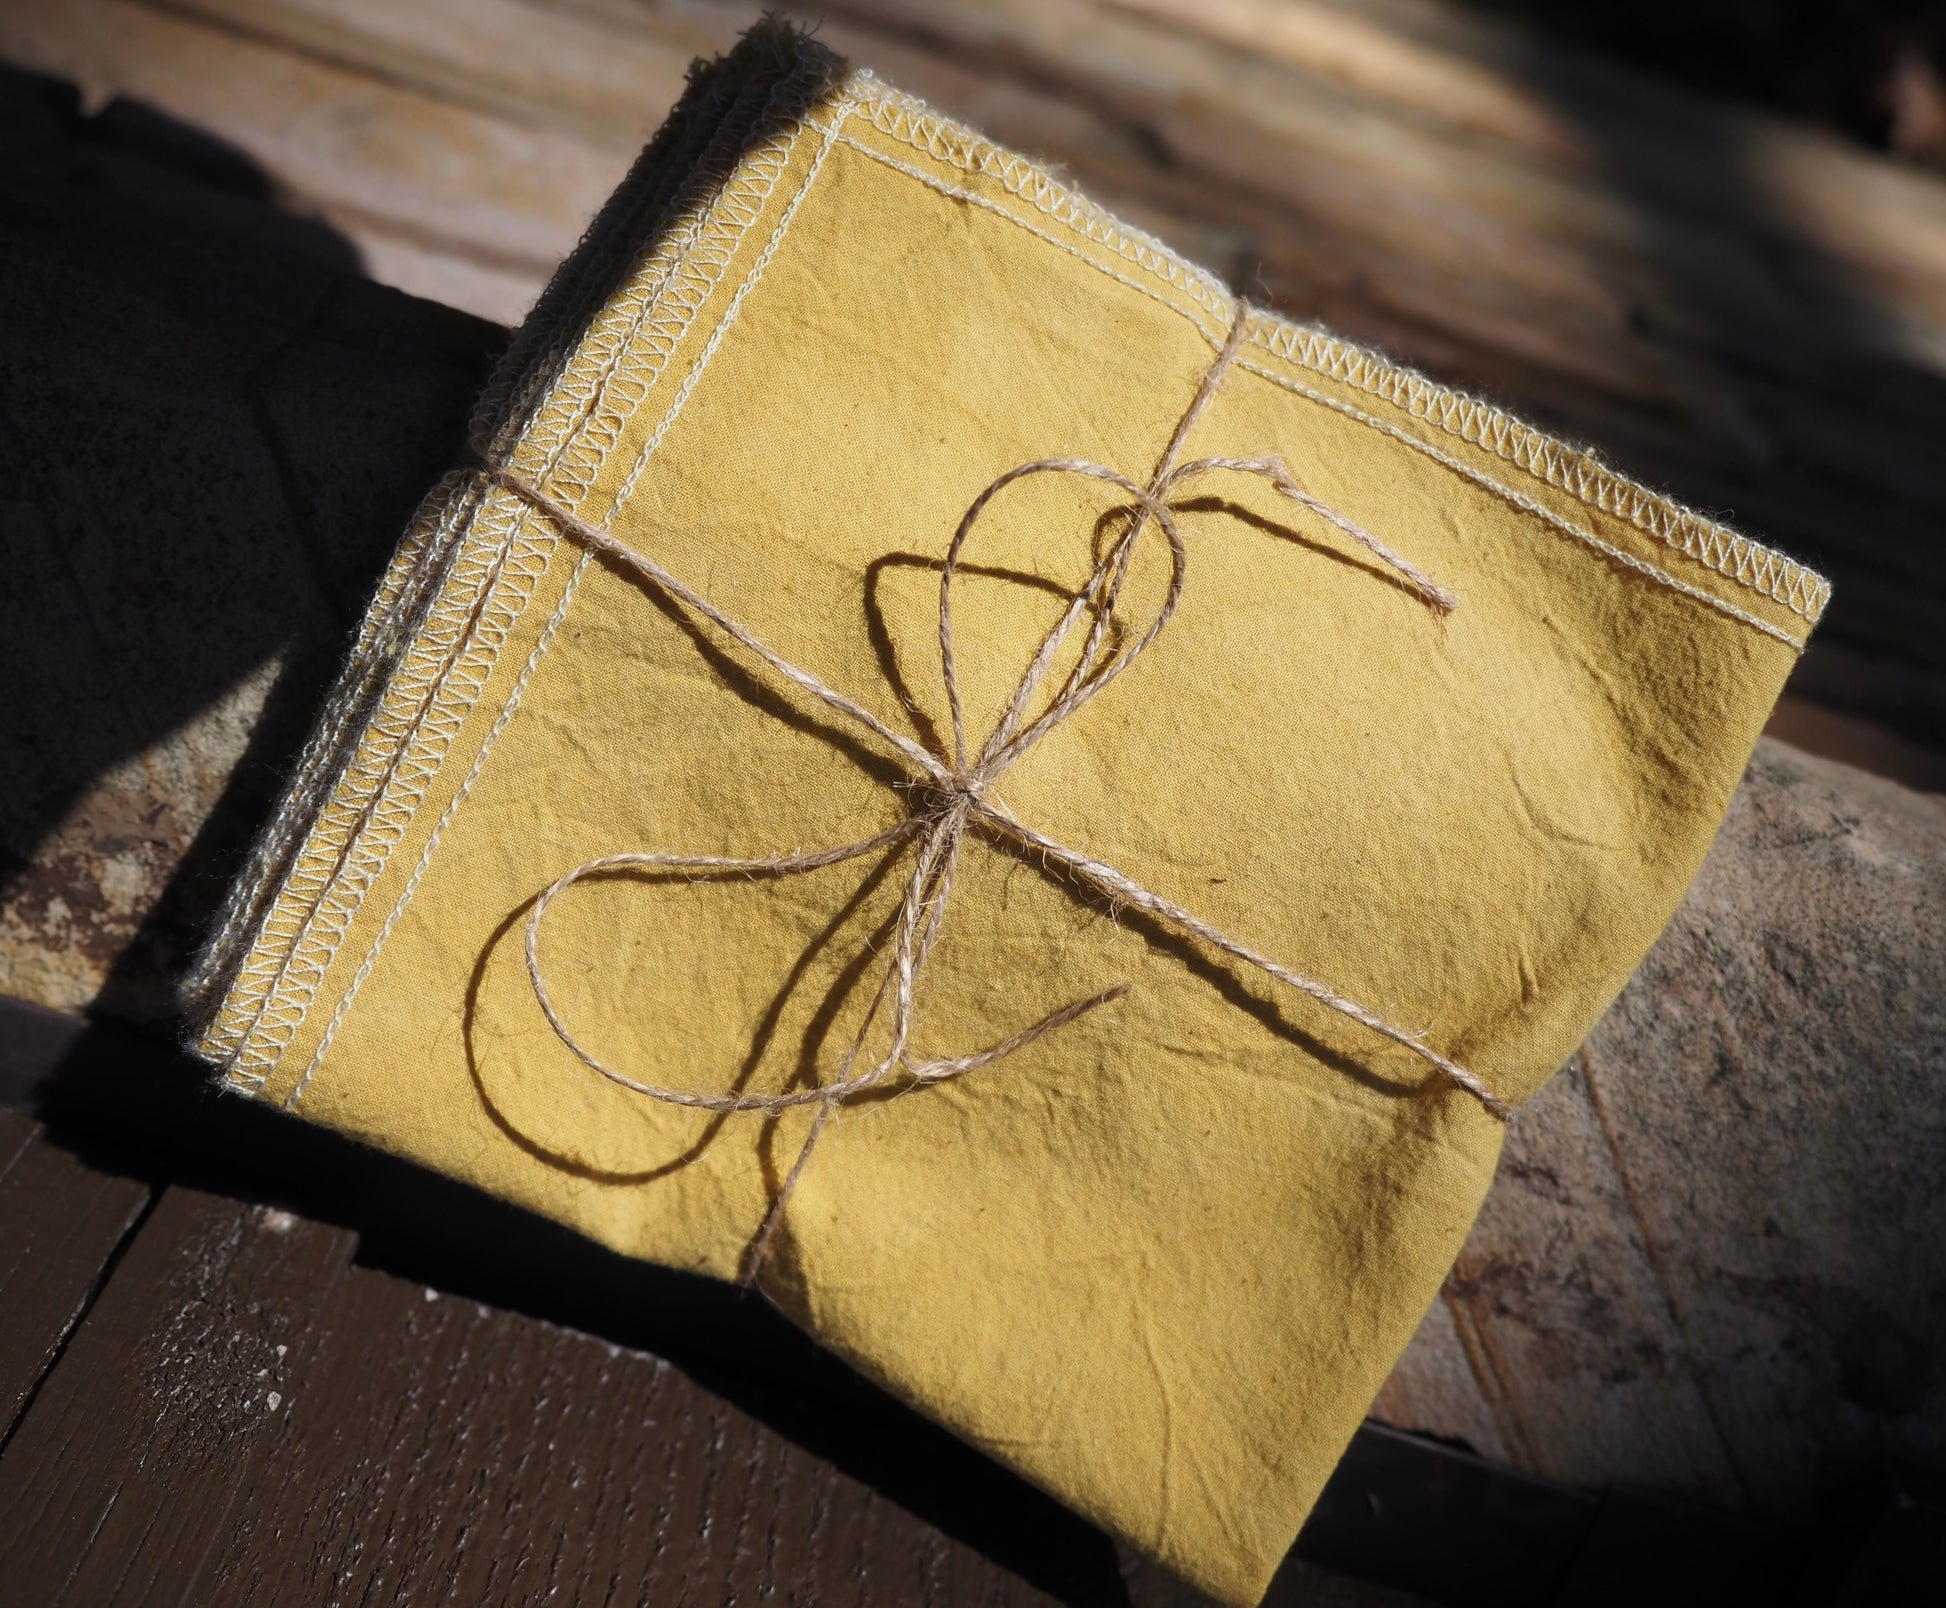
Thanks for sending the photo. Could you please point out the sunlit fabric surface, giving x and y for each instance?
(1160, 1260)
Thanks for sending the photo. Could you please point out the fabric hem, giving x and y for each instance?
(1479, 424)
(416, 672)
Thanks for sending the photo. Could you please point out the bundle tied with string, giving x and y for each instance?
(1174, 1009)
(954, 793)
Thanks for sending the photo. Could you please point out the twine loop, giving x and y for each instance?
(952, 793)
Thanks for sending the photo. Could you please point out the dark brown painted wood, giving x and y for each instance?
(60, 1222)
(441, 1451)
(244, 1419)
(33, 1041)
(15, 1132)
(119, 1485)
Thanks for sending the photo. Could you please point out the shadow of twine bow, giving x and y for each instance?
(954, 793)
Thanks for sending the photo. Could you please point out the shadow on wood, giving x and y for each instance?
(127, 1107)
(216, 432)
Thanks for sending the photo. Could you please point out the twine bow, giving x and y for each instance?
(954, 793)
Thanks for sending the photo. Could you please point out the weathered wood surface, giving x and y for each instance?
(1714, 1262)
(1595, 1331)
(1749, 314)
(216, 440)
(315, 1374)
(120, 1482)
(181, 594)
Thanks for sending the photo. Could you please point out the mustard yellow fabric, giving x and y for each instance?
(1160, 1261)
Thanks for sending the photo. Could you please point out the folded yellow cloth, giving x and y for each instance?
(1160, 1258)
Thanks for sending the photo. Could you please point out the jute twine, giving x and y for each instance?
(954, 793)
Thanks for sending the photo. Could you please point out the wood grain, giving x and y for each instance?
(1710, 1265)
(447, 1441)
(119, 1485)
(1414, 180)
(443, 1431)
(368, 154)
(443, 1451)
(60, 1223)
(217, 443)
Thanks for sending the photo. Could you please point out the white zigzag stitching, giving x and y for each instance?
(491, 582)
(1784, 580)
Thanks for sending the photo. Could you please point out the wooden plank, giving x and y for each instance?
(438, 1445)
(1555, 1288)
(1866, 744)
(1563, 1286)
(1804, 1263)
(33, 1039)
(16, 1131)
(119, 1484)
(1709, 1266)
(346, 145)
(609, 80)
(447, 1451)
(1468, 75)
(445, 271)
(457, 1437)
(1707, 328)
(1480, 1539)
(60, 1223)
(217, 446)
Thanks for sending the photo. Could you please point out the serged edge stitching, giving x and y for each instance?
(500, 724)
(547, 635)
(960, 193)
(1736, 557)
(1565, 526)
(631, 363)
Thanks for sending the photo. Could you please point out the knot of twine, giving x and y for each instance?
(953, 793)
